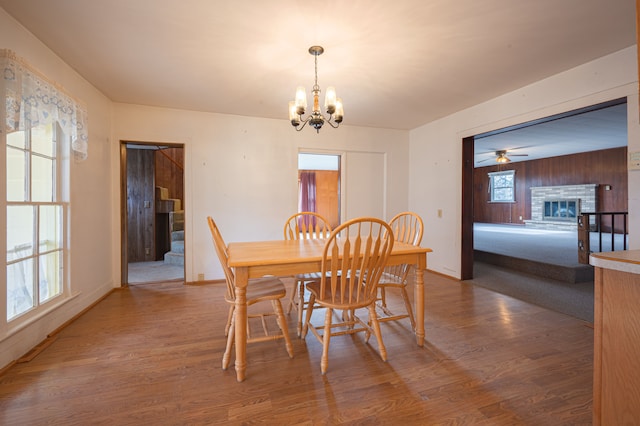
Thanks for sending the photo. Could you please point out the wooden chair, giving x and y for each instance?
(407, 227)
(304, 225)
(258, 290)
(352, 263)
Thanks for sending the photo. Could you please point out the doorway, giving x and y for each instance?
(596, 128)
(152, 212)
(319, 185)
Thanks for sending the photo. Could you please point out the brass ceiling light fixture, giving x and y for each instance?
(332, 104)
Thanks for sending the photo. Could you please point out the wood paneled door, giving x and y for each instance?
(140, 205)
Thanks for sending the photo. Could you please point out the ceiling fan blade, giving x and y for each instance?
(486, 159)
(518, 148)
(518, 155)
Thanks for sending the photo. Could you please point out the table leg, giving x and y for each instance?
(419, 296)
(242, 279)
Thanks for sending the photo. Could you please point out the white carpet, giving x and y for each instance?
(547, 246)
(144, 272)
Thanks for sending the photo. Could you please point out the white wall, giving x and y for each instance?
(243, 172)
(91, 181)
(436, 148)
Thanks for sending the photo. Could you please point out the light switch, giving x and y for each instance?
(634, 160)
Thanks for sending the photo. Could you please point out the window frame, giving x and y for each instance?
(493, 178)
(40, 256)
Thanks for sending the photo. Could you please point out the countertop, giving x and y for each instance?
(624, 261)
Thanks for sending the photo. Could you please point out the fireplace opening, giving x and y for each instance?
(561, 210)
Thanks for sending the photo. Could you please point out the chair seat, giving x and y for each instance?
(265, 288)
(387, 278)
(314, 287)
(309, 276)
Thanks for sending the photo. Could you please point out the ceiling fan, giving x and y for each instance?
(501, 156)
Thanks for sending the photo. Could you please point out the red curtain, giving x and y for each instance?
(307, 192)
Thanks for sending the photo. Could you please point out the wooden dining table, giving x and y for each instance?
(290, 257)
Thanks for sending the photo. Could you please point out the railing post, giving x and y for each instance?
(584, 236)
(613, 232)
(599, 218)
(624, 231)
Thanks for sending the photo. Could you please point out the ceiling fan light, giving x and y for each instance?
(502, 159)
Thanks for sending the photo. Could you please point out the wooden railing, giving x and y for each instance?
(603, 222)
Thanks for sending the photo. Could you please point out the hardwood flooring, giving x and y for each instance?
(151, 354)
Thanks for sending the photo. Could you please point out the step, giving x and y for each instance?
(177, 247)
(172, 258)
(569, 274)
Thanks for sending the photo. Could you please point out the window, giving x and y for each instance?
(502, 186)
(36, 215)
(43, 129)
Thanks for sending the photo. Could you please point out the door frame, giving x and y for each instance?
(466, 265)
(124, 226)
(467, 258)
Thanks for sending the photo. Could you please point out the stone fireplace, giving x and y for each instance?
(558, 207)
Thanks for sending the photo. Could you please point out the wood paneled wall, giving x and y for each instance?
(140, 206)
(605, 167)
(169, 164)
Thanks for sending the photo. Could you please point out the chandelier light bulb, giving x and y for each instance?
(301, 100)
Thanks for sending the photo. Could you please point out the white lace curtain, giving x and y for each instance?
(32, 100)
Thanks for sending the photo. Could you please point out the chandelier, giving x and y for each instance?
(316, 119)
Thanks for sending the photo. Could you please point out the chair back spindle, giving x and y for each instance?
(306, 225)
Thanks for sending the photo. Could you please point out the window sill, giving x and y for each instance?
(11, 330)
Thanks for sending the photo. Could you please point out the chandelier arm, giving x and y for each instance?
(331, 123)
(304, 123)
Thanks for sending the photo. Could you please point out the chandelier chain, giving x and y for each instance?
(315, 86)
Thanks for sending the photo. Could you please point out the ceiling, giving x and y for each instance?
(396, 64)
(583, 131)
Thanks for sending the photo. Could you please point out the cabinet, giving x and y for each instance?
(616, 356)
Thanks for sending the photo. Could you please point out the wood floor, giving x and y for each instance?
(151, 354)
